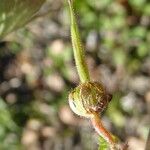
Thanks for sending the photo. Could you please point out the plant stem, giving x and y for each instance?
(102, 131)
(79, 53)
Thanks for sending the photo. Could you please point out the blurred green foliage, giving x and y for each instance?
(123, 40)
(9, 131)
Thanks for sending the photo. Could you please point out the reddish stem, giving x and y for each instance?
(101, 130)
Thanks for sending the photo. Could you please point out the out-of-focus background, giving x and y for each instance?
(37, 71)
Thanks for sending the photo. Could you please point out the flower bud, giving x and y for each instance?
(87, 98)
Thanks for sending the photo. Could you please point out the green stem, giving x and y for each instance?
(78, 50)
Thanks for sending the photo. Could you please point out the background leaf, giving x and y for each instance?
(16, 13)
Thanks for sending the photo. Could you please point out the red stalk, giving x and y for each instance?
(101, 130)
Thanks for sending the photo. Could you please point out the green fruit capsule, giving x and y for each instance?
(87, 98)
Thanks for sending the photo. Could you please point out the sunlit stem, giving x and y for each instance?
(102, 131)
(79, 53)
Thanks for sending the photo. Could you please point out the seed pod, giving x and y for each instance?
(87, 98)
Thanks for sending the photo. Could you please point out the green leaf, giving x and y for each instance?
(16, 13)
(103, 145)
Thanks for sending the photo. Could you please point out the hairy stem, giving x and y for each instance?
(102, 131)
(79, 53)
